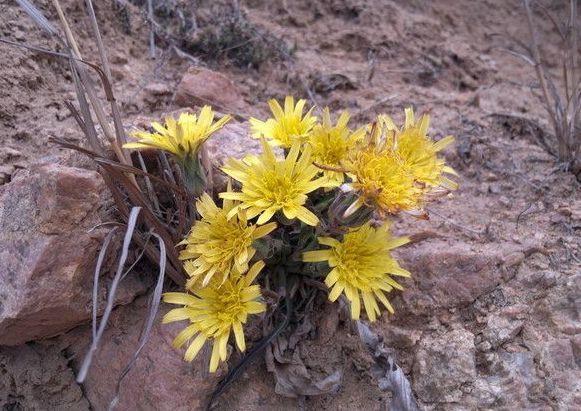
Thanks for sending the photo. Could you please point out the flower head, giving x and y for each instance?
(287, 126)
(419, 153)
(218, 244)
(270, 185)
(182, 137)
(361, 265)
(331, 144)
(213, 312)
(380, 179)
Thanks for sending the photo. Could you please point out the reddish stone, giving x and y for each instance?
(160, 379)
(201, 86)
(48, 252)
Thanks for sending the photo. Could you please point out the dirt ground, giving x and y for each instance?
(500, 257)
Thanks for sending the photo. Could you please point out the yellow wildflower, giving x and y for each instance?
(287, 126)
(182, 137)
(361, 264)
(380, 178)
(218, 244)
(270, 185)
(331, 144)
(213, 312)
(420, 154)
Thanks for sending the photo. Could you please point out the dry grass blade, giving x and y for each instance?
(100, 259)
(136, 197)
(76, 115)
(153, 309)
(98, 39)
(87, 126)
(148, 186)
(36, 15)
(111, 295)
(89, 89)
(539, 65)
(119, 132)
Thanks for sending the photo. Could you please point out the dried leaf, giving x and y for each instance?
(390, 376)
(111, 296)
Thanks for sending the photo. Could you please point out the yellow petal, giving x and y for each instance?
(239, 335)
(215, 360)
(195, 347)
(307, 216)
(184, 335)
(179, 298)
(316, 256)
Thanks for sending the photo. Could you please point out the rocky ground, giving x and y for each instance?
(490, 318)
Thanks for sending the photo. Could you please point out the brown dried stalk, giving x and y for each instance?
(563, 110)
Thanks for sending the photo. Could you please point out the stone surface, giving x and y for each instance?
(444, 366)
(448, 275)
(201, 86)
(48, 251)
(232, 141)
(37, 377)
(504, 325)
(160, 378)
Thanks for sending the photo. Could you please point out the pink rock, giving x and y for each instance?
(448, 275)
(233, 140)
(160, 378)
(444, 363)
(48, 255)
(201, 86)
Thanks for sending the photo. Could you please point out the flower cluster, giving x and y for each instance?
(314, 203)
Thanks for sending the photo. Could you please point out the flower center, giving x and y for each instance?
(280, 189)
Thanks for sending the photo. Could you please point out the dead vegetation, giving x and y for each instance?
(221, 34)
(562, 104)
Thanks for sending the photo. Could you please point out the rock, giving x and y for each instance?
(558, 354)
(5, 173)
(201, 86)
(510, 387)
(400, 337)
(504, 325)
(48, 252)
(37, 377)
(563, 307)
(576, 345)
(448, 275)
(158, 89)
(160, 378)
(444, 364)
(232, 141)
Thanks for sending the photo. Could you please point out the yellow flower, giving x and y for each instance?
(287, 126)
(217, 244)
(361, 266)
(331, 144)
(381, 180)
(183, 137)
(420, 154)
(213, 312)
(270, 185)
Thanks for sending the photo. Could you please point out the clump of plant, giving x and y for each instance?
(310, 212)
(230, 35)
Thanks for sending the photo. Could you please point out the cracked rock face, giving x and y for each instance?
(49, 251)
(37, 377)
(445, 366)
